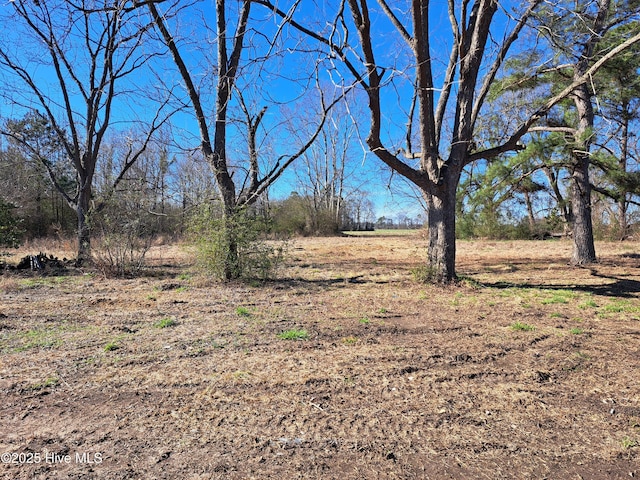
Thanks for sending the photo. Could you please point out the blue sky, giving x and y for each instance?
(283, 80)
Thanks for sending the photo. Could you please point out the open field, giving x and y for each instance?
(345, 367)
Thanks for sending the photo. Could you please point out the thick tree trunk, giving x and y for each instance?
(232, 268)
(84, 229)
(441, 222)
(584, 251)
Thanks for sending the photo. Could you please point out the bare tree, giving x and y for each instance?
(231, 38)
(445, 104)
(328, 175)
(68, 62)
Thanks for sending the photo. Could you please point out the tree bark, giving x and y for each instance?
(584, 251)
(623, 225)
(441, 224)
(82, 209)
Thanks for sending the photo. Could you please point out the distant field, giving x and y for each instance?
(343, 368)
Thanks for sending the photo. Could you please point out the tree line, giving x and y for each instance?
(118, 107)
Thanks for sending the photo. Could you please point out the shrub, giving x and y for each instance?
(234, 248)
(124, 236)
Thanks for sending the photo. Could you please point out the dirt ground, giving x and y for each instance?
(528, 368)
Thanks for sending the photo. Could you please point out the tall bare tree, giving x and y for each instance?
(231, 34)
(69, 62)
(445, 103)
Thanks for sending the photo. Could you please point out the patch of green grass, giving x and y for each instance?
(588, 304)
(618, 306)
(349, 340)
(628, 442)
(365, 320)
(382, 311)
(111, 347)
(243, 312)
(557, 298)
(184, 276)
(456, 299)
(294, 334)
(165, 322)
(576, 331)
(49, 382)
(556, 315)
(522, 327)
(39, 338)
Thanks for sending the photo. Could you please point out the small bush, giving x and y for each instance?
(234, 248)
(124, 236)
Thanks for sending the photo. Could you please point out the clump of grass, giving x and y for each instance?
(40, 338)
(365, 320)
(111, 346)
(349, 340)
(576, 331)
(243, 312)
(294, 334)
(456, 299)
(49, 382)
(423, 274)
(522, 327)
(558, 298)
(628, 442)
(165, 322)
(616, 307)
(588, 304)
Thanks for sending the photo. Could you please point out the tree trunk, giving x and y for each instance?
(584, 251)
(530, 215)
(441, 222)
(623, 225)
(84, 229)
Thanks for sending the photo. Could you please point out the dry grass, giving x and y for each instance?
(396, 379)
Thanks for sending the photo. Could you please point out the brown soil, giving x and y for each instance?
(528, 368)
